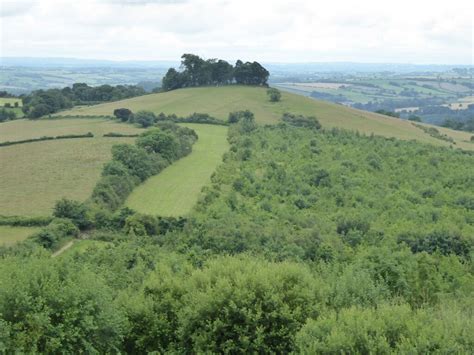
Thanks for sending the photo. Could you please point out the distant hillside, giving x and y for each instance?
(219, 101)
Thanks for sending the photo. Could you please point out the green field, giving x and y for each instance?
(35, 175)
(11, 235)
(10, 100)
(219, 101)
(26, 129)
(175, 190)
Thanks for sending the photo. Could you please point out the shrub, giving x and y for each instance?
(74, 210)
(274, 94)
(301, 121)
(123, 114)
(50, 236)
(157, 141)
(137, 161)
(144, 118)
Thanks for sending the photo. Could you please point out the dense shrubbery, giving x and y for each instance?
(200, 72)
(351, 244)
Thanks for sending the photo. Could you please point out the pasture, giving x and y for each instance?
(219, 101)
(35, 175)
(11, 101)
(12, 235)
(25, 129)
(176, 189)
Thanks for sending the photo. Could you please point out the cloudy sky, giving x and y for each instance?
(402, 31)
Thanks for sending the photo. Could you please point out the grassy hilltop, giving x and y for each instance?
(219, 101)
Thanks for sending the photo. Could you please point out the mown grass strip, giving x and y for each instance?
(176, 189)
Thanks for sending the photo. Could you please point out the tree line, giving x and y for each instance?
(44, 102)
(199, 72)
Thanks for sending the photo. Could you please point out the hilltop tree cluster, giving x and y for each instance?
(45, 102)
(199, 72)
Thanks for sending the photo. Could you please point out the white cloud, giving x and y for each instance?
(278, 30)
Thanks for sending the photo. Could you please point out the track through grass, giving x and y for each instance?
(176, 189)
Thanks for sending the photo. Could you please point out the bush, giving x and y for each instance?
(51, 236)
(144, 118)
(236, 116)
(157, 141)
(301, 121)
(123, 114)
(274, 94)
(74, 210)
(137, 161)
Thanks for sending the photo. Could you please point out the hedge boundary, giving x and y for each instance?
(47, 138)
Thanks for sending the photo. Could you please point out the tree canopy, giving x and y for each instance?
(199, 72)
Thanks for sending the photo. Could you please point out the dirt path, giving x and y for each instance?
(63, 249)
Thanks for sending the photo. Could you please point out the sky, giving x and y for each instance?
(402, 31)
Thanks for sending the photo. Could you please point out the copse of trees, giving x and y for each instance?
(7, 115)
(45, 102)
(199, 72)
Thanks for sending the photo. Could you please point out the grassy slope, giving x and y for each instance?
(34, 175)
(219, 101)
(11, 100)
(25, 129)
(175, 190)
(11, 235)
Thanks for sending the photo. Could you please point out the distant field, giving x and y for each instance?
(25, 129)
(35, 175)
(219, 101)
(11, 100)
(11, 235)
(176, 189)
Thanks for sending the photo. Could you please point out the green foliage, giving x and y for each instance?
(157, 141)
(75, 211)
(49, 307)
(123, 114)
(387, 329)
(200, 72)
(7, 115)
(44, 102)
(131, 164)
(52, 235)
(301, 121)
(144, 118)
(24, 221)
(274, 94)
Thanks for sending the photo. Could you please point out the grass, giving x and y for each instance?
(176, 189)
(12, 235)
(219, 101)
(26, 129)
(34, 176)
(10, 100)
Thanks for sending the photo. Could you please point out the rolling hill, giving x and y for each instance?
(219, 101)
